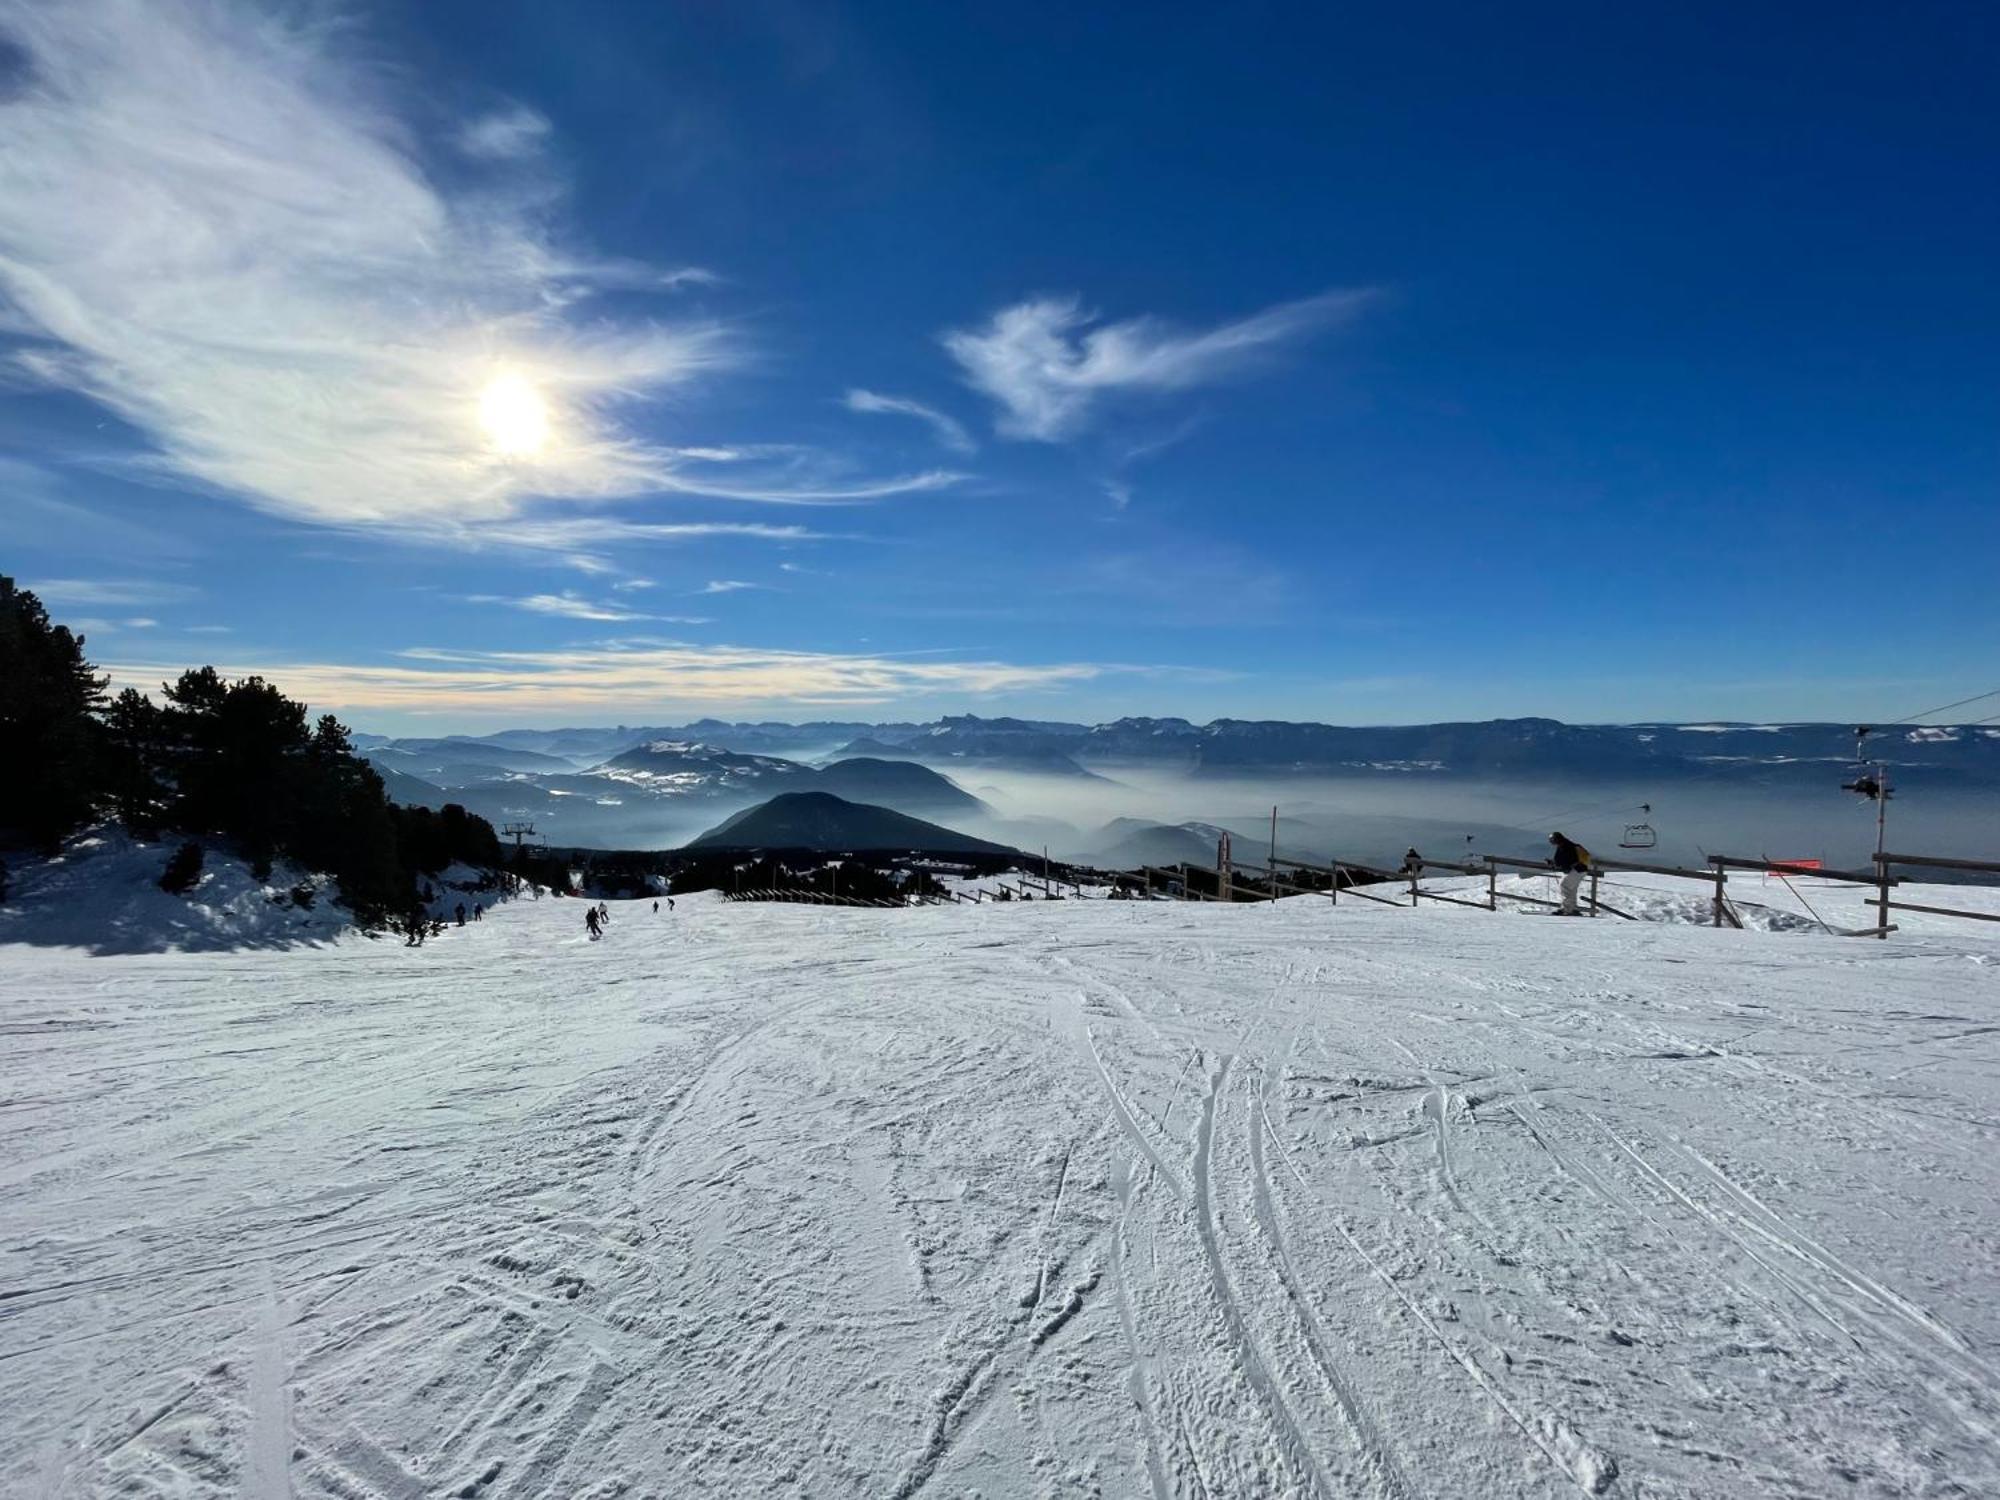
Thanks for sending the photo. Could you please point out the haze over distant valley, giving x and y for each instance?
(1132, 790)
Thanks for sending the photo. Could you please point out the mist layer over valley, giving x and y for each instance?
(1159, 791)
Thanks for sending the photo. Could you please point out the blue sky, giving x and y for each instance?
(459, 365)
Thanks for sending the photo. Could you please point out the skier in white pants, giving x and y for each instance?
(1572, 859)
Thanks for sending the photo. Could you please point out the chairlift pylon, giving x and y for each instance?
(1640, 835)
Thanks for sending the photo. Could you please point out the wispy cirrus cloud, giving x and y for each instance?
(730, 586)
(90, 625)
(219, 226)
(576, 536)
(510, 134)
(101, 592)
(584, 541)
(631, 678)
(573, 606)
(1048, 361)
(948, 430)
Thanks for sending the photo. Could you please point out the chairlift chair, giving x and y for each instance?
(1640, 835)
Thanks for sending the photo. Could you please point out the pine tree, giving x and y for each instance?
(50, 745)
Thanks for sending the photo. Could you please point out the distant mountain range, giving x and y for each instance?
(647, 795)
(827, 824)
(1363, 791)
(1242, 747)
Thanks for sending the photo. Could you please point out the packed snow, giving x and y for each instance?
(1079, 1198)
(103, 893)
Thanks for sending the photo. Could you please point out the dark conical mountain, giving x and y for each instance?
(900, 784)
(825, 823)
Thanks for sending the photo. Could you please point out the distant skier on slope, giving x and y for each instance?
(590, 920)
(1572, 859)
(461, 913)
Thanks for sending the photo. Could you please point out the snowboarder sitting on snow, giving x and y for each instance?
(590, 920)
(1572, 859)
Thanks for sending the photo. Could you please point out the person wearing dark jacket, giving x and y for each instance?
(1572, 859)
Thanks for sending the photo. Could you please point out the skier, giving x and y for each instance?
(1413, 862)
(603, 912)
(1572, 859)
(590, 920)
(656, 908)
(478, 912)
(461, 913)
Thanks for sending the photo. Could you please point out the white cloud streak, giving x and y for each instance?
(572, 606)
(516, 133)
(948, 430)
(213, 224)
(67, 592)
(1047, 361)
(628, 679)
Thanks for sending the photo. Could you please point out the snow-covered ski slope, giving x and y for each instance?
(1050, 1199)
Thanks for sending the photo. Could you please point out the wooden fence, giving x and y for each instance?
(1345, 877)
(1883, 905)
(1338, 877)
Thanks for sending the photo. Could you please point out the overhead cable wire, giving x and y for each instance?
(1946, 707)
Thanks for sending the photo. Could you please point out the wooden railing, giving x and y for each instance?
(1884, 905)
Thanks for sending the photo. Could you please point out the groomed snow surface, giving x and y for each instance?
(1080, 1198)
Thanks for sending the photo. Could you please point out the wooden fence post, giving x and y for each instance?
(1492, 886)
(1720, 877)
(1593, 892)
(1882, 892)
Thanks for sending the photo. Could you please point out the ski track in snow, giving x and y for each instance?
(1088, 1198)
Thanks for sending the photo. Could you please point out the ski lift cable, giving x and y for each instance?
(1945, 707)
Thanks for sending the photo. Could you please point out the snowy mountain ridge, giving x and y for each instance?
(1228, 747)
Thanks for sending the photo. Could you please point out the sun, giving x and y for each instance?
(514, 415)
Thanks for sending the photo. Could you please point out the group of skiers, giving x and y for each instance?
(595, 918)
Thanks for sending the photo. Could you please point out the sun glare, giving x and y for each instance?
(514, 415)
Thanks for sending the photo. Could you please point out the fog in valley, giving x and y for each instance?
(1373, 819)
